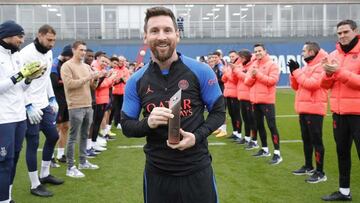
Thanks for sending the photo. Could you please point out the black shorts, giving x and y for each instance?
(63, 114)
(199, 187)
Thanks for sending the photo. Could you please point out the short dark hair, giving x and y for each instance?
(312, 46)
(260, 45)
(233, 51)
(99, 53)
(105, 56)
(44, 29)
(89, 50)
(245, 54)
(217, 53)
(114, 59)
(352, 24)
(76, 44)
(159, 11)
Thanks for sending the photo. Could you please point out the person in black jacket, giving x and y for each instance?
(180, 172)
(62, 118)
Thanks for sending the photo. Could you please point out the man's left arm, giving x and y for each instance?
(213, 121)
(214, 101)
(348, 78)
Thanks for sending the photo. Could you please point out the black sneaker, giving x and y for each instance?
(317, 177)
(241, 141)
(109, 138)
(12, 201)
(303, 171)
(52, 180)
(252, 145)
(262, 153)
(276, 159)
(232, 136)
(62, 159)
(53, 163)
(236, 139)
(41, 191)
(337, 196)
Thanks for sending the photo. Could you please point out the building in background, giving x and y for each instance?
(117, 26)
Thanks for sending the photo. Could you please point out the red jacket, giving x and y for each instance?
(243, 91)
(103, 90)
(263, 84)
(310, 97)
(230, 82)
(345, 82)
(122, 72)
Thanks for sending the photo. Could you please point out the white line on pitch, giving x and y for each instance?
(211, 144)
(290, 141)
(141, 146)
(291, 116)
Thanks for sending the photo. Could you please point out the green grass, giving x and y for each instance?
(240, 177)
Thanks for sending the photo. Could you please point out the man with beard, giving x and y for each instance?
(243, 94)
(173, 172)
(41, 109)
(311, 105)
(62, 118)
(78, 77)
(12, 111)
(343, 78)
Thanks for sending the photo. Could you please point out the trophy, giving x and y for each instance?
(174, 123)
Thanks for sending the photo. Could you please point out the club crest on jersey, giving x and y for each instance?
(183, 84)
(3, 152)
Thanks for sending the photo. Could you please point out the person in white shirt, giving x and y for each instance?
(41, 109)
(12, 111)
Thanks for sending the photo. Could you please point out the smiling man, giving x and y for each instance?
(181, 172)
(12, 111)
(343, 79)
(262, 78)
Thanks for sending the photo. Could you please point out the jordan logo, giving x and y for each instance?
(149, 90)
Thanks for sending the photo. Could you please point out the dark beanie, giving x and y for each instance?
(67, 51)
(10, 28)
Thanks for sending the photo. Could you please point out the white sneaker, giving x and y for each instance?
(99, 148)
(88, 165)
(118, 126)
(74, 173)
(101, 140)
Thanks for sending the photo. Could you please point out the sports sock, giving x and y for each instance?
(88, 144)
(34, 178)
(60, 153)
(45, 169)
(344, 191)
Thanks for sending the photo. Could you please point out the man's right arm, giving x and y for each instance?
(131, 126)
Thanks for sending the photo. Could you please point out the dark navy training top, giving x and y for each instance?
(150, 87)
